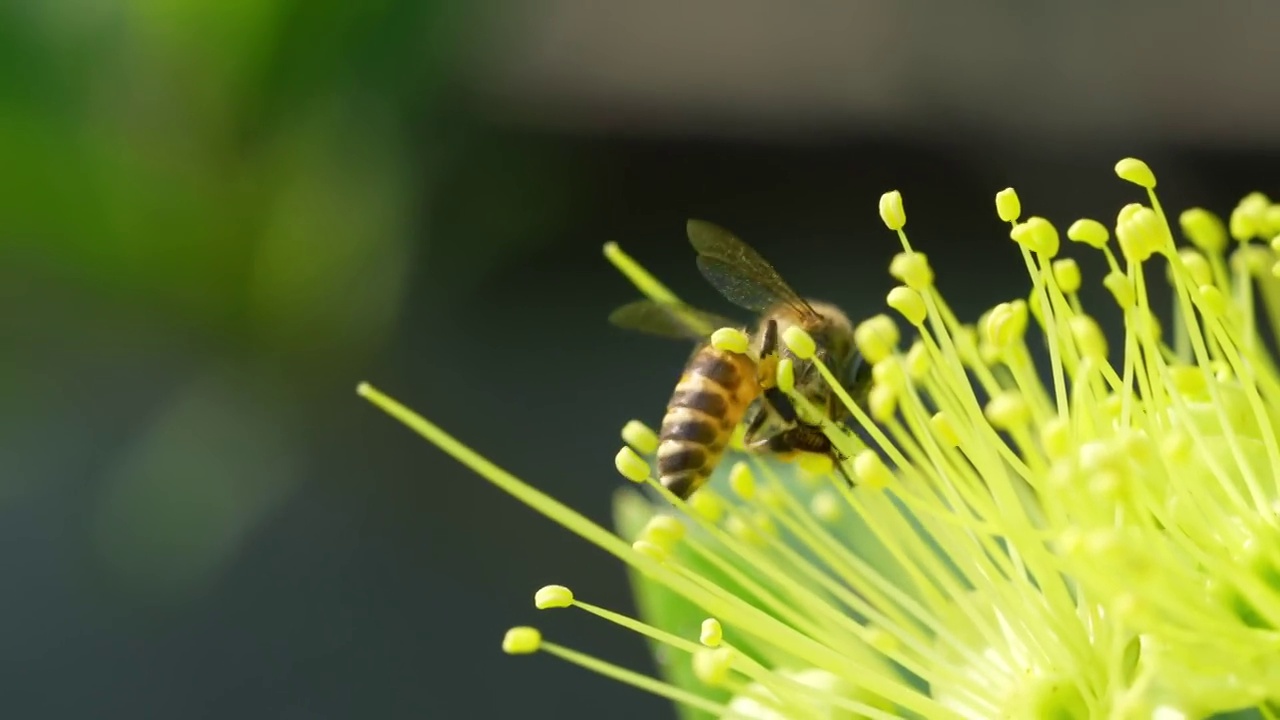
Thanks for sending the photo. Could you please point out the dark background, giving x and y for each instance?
(217, 218)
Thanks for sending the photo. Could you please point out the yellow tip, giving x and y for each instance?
(1204, 229)
(871, 470)
(707, 505)
(640, 436)
(742, 481)
(1067, 273)
(663, 530)
(1008, 206)
(363, 389)
(909, 303)
(1090, 232)
(876, 337)
(913, 269)
(521, 641)
(786, 375)
(891, 210)
(730, 340)
(799, 342)
(1037, 235)
(1136, 172)
(712, 666)
(712, 634)
(553, 596)
(631, 465)
(651, 550)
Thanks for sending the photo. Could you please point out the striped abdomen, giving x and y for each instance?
(708, 403)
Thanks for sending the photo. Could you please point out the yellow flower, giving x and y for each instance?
(1101, 540)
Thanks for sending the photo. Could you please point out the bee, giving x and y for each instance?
(720, 389)
(712, 397)
(746, 279)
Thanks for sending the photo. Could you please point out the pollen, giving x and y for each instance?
(712, 634)
(640, 437)
(521, 641)
(909, 303)
(891, 211)
(731, 340)
(799, 342)
(1136, 172)
(631, 465)
(1008, 206)
(1090, 232)
(814, 465)
(553, 596)
(876, 337)
(742, 481)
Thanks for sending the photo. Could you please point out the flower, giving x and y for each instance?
(1101, 540)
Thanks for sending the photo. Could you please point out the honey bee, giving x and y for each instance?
(719, 389)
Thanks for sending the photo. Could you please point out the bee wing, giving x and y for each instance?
(672, 320)
(739, 272)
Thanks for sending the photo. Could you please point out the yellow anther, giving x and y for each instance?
(1275, 270)
(1088, 336)
(1189, 382)
(1212, 300)
(826, 506)
(1006, 324)
(631, 465)
(553, 596)
(1007, 410)
(1067, 274)
(1248, 219)
(1139, 232)
(891, 211)
(1252, 259)
(731, 340)
(1089, 232)
(664, 530)
(712, 634)
(882, 401)
(742, 481)
(941, 425)
(1008, 206)
(1127, 212)
(918, 361)
(815, 465)
(871, 470)
(785, 375)
(799, 342)
(651, 550)
(708, 505)
(1136, 172)
(1204, 229)
(909, 303)
(912, 268)
(639, 436)
(1271, 219)
(1037, 235)
(1197, 266)
(876, 337)
(743, 531)
(712, 666)
(521, 641)
(1121, 289)
(737, 440)
(1145, 324)
(1055, 437)
(889, 372)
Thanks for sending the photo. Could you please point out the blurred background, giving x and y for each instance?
(217, 217)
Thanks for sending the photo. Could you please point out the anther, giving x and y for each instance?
(1008, 206)
(650, 550)
(1139, 232)
(742, 481)
(708, 505)
(876, 337)
(1136, 172)
(1089, 338)
(1090, 232)
(1212, 300)
(1121, 289)
(912, 268)
(814, 465)
(712, 634)
(1037, 235)
(918, 361)
(1007, 410)
(663, 530)
(1197, 266)
(553, 596)
(1006, 323)
(825, 506)
(785, 375)
(943, 429)
(799, 342)
(711, 666)
(882, 401)
(731, 340)
(909, 303)
(639, 436)
(521, 641)
(891, 211)
(871, 470)
(631, 465)
(1204, 229)
(1067, 274)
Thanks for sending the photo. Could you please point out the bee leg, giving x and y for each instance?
(767, 366)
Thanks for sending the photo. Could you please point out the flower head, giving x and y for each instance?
(1098, 540)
